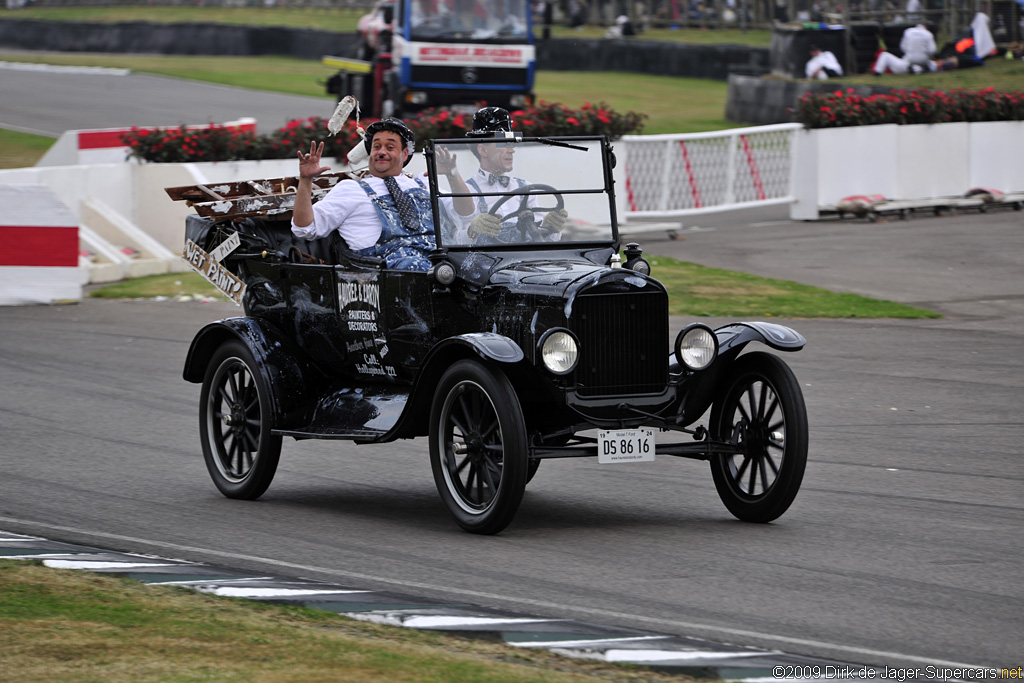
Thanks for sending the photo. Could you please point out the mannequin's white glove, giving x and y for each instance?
(554, 220)
(484, 224)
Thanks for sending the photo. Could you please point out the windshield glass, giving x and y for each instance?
(477, 19)
(511, 193)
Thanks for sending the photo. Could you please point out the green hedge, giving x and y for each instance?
(218, 143)
(847, 108)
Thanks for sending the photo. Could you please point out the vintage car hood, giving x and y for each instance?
(553, 273)
(562, 277)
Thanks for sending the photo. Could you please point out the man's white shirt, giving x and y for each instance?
(348, 209)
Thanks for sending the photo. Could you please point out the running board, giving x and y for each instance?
(362, 435)
(367, 415)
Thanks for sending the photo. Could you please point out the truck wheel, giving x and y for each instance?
(478, 447)
(763, 407)
(234, 424)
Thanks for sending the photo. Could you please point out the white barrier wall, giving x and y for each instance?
(104, 145)
(122, 207)
(904, 162)
(38, 247)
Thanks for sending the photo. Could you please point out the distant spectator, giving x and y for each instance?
(914, 10)
(983, 43)
(887, 62)
(822, 64)
(577, 13)
(623, 28)
(918, 46)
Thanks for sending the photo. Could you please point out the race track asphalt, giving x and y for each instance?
(49, 102)
(902, 547)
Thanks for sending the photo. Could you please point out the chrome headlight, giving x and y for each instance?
(559, 352)
(696, 346)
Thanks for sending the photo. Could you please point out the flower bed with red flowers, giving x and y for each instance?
(847, 108)
(217, 143)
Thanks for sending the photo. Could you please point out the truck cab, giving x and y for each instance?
(416, 54)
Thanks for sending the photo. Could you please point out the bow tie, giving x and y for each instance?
(498, 179)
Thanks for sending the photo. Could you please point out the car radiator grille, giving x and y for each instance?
(623, 343)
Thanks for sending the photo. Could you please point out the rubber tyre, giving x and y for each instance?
(478, 447)
(763, 403)
(234, 424)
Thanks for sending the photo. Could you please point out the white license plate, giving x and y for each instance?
(625, 445)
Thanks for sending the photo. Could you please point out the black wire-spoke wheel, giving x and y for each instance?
(234, 424)
(478, 448)
(762, 411)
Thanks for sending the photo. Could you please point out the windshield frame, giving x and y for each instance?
(606, 190)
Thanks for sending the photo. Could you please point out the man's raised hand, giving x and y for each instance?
(309, 164)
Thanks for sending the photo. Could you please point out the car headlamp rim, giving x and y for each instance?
(696, 357)
(552, 337)
(639, 265)
(444, 272)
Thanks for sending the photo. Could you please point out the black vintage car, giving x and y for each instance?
(528, 345)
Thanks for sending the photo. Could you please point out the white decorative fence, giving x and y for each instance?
(679, 175)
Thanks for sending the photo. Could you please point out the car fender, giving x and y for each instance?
(487, 346)
(279, 363)
(737, 335)
(703, 387)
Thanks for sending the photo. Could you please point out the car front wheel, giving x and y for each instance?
(762, 411)
(478, 450)
(234, 424)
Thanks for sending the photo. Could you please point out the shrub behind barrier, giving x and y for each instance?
(217, 143)
(847, 108)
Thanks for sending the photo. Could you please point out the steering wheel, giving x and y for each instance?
(523, 207)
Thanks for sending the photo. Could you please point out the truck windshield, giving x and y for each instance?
(515, 192)
(475, 19)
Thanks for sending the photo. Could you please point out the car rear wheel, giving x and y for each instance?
(234, 424)
(763, 409)
(478, 447)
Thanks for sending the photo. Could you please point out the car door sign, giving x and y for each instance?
(360, 311)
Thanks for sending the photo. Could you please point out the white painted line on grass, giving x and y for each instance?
(55, 68)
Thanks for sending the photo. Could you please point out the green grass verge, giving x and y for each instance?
(20, 150)
(170, 285)
(63, 625)
(694, 291)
